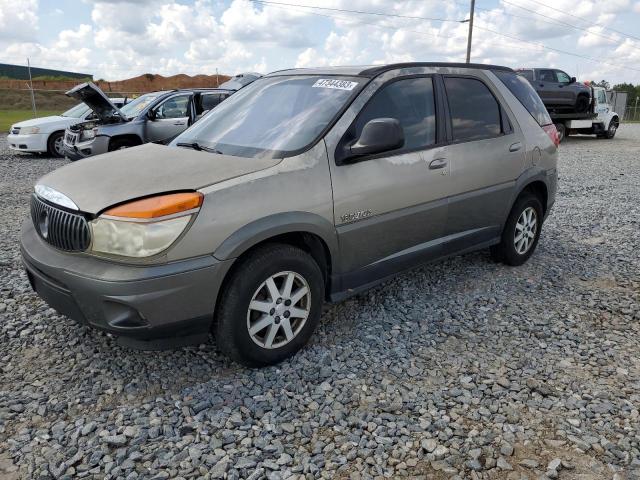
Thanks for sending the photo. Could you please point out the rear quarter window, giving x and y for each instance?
(527, 96)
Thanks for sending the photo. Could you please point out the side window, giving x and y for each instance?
(526, 95)
(602, 97)
(547, 76)
(475, 112)
(174, 107)
(562, 77)
(210, 100)
(411, 102)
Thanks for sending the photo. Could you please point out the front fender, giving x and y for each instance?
(278, 224)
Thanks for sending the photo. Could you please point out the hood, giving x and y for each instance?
(96, 183)
(241, 80)
(38, 122)
(96, 100)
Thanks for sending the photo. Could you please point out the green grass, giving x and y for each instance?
(9, 117)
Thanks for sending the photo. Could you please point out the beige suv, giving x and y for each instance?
(308, 185)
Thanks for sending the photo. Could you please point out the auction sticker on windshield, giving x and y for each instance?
(337, 84)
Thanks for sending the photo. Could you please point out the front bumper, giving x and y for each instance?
(32, 142)
(154, 306)
(88, 148)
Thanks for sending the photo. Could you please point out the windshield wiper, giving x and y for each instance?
(198, 147)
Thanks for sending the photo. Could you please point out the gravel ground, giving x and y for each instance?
(465, 368)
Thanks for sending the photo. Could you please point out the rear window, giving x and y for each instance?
(527, 96)
(528, 74)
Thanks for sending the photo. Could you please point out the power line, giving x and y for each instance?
(586, 20)
(410, 17)
(562, 23)
(282, 5)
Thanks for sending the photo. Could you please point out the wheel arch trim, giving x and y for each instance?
(274, 225)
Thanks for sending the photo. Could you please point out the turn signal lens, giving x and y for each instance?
(159, 206)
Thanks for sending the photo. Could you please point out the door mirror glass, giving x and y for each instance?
(378, 135)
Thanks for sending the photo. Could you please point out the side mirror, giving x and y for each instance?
(378, 135)
(151, 114)
(573, 80)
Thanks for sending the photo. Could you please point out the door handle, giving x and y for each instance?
(515, 147)
(437, 163)
(179, 123)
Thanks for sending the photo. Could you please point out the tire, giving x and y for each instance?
(510, 251)
(121, 143)
(611, 129)
(248, 286)
(54, 145)
(562, 131)
(582, 104)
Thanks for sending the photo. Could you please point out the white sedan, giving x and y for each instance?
(45, 134)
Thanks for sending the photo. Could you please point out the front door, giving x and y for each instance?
(170, 119)
(486, 156)
(391, 208)
(547, 87)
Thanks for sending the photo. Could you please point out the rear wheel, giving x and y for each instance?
(521, 232)
(562, 132)
(582, 104)
(55, 147)
(270, 305)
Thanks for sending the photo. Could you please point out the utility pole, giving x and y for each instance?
(217, 79)
(473, 6)
(33, 98)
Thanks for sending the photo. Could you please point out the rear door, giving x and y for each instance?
(390, 208)
(171, 118)
(486, 156)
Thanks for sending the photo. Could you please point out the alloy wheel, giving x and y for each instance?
(58, 147)
(526, 229)
(278, 310)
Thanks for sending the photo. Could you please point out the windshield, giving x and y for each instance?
(273, 117)
(76, 112)
(134, 107)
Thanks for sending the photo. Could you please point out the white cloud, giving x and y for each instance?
(121, 38)
(18, 20)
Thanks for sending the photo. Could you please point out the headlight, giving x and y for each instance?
(29, 130)
(88, 134)
(143, 228)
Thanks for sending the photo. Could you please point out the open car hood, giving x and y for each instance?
(101, 181)
(96, 100)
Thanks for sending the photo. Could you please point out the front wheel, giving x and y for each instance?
(270, 305)
(521, 232)
(55, 148)
(611, 129)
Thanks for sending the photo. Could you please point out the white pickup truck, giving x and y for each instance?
(599, 119)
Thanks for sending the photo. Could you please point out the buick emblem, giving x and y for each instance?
(44, 224)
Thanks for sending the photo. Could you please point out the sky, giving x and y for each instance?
(117, 39)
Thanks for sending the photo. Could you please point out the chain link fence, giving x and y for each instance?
(631, 114)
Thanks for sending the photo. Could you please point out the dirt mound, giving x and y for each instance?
(143, 83)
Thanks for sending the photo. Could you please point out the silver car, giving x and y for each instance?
(307, 186)
(153, 117)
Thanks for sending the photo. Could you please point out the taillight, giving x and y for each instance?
(553, 133)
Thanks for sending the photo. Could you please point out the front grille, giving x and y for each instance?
(60, 228)
(15, 130)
